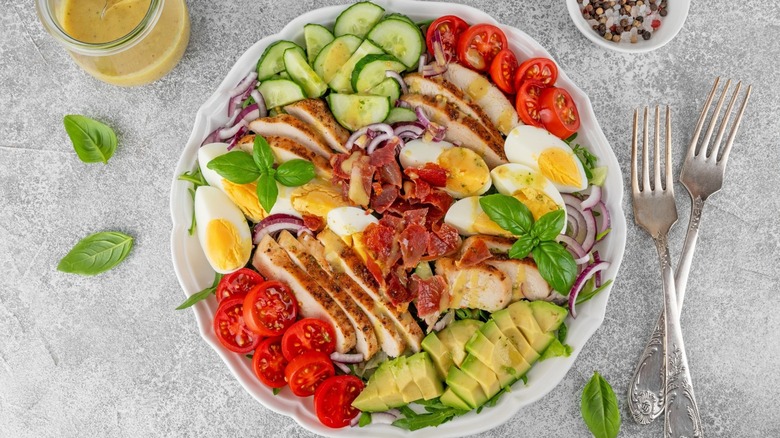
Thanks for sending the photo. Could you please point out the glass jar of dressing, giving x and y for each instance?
(121, 42)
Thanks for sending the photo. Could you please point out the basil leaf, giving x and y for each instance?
(365, 419)
(262, 154)
(295, 173)
(93, 141)
(509, 213)
(556, 265)
(267, 191)
(235, 166)
(202, 295)
(96, 253)
(549, 226)
(599, 408)
(522, 247)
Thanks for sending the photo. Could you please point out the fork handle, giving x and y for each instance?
(646, 394)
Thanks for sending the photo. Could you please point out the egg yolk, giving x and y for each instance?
(245, 197)
(467, 172)
(316, 198)
(225, 247)
(484, 225)
(536, 200)
(559, 166)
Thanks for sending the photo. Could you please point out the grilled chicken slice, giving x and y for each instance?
(316, 250)
(316, 113)
(313, 302)
(524, 277)
(462, 129)
(476, 287)
(344, 258)
(437, 86)
(285, 125)
(492, 100)
(366, 342)
(286, 149)
(495, 244)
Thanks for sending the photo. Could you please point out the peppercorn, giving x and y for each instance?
(646, 35)
(616, 38)
(662, 13)
(608, 36)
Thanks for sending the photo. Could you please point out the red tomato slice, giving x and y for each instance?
(237, 283)
(307, 371)
(230, 328)
(269, 308)
(333, 400)
(269, 363)
(450, 28)
(479, 44)
(306, 335)
(502, 71)
(558, 112)
(541, 71)
(527, 103)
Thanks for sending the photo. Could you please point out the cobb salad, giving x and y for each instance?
(399, 218)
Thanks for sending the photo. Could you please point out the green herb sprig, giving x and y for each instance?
(556, 265)
(599, 408)
(202, 295)
(436, 413)
(242, 168)
(595, 174)
(197, 180)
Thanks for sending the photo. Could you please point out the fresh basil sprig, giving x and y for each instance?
(202, 295)
(599, 408)
(556, 265)
(241, 168)
(93, 141)
(96, 253)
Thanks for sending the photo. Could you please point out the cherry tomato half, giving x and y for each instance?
(237, 283)
(558, 112)
(502, 71)
(307, 371)
(333, 400)
(541, 71)
(450, 28)
(269, 363)
(527, 103)
(479, 44)
(306, 335)
(230, 328)
(269, 308)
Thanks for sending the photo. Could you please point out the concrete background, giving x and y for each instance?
(108, 355)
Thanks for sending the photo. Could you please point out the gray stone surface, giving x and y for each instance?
(108, 355)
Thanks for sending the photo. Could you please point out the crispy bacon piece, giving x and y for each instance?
(384, 155)
(416, 216)
(384, 196)
(396, 292)
(428, 294)
(413, 242)
(313, 223)
(443, 241)
(473, 252)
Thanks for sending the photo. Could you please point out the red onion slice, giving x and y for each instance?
(382, 418)
(346, 358)
(579, 283)
(433, 69)
(402, 104)
(399, 79)
(379, 140)
(274, 223)
(605, 220)
(212, 138)
(573, 246)
(234, 141)
(597, 278)
(243, 85)
(345, 369)
(438, 50)
(422, 62)
(590, 230)
(231, 132)
(592, 199)
(260, 101)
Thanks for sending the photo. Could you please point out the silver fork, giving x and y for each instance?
(656, 212)
(702, 175)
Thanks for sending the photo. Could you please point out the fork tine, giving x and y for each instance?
(692, 150)
(657, 151)
(735, 128)
(634, 176)
(669, 173)
(713, 120)
(645, 158)
(726, 116)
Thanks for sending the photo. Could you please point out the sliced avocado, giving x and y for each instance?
(481, 373)
(466, 387)
(455, 336)
(425, 375)
(548, 315)
(507, 326)
(404, 379)
(523, 317)
(499, 361)
(369, 400)
(439, 354)
(387, 386)
(449, 398)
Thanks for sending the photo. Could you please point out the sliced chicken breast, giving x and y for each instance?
(476, 287)
(492, 100)
(524, 277)
(286, 149)
(495, 244)
(366, 342)
(316, 113)
(285, 125)
(461, 129)
(313, 302)
(316, 250)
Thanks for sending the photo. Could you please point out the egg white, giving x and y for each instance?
(346, 221)
(509, 178)
(417, 153)
(210, 205)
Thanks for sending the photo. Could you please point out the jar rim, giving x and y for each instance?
(53, 27)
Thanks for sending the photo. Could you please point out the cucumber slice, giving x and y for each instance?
(397, 16)
(401, 115)
(334, 55)
(280, 92)
(388, 87)
(342, 80)
(354, 111)
(271, 62)
(316, 37)
(302, 74)
(370, 71)
(400, 38)
(358, 19)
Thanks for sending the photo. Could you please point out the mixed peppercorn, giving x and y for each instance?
(624, 20)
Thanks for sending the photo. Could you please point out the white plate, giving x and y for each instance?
(194, 273)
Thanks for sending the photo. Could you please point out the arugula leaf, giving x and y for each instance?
(93, 141)
(277, 390)
(508, 212)
(295, 173)
(556, 349)
(523, 246)
(96, 253)
(262, 154)
(599, 408)
(524, 378)
(589, 292)
(365, 419)
(556, 265)
(193, 223)
(494, 400)
(267, 191)
(601, 235)
(195, 177)
(415, 421)
(235, 166)
(202, 295)
(549, 226)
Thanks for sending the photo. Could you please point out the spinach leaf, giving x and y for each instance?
(93, 141)
(509, 213)
(295, 173)
(599, 408)
(556, 265)
(96, 253)
(235, 166)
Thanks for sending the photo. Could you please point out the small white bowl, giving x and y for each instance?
(670, 26)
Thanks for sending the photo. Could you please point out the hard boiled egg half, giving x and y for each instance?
(530, 187)
(222, 230)
(346, 221)
(467, 216)
(243, 195)
(551, 156)
(467, 173)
